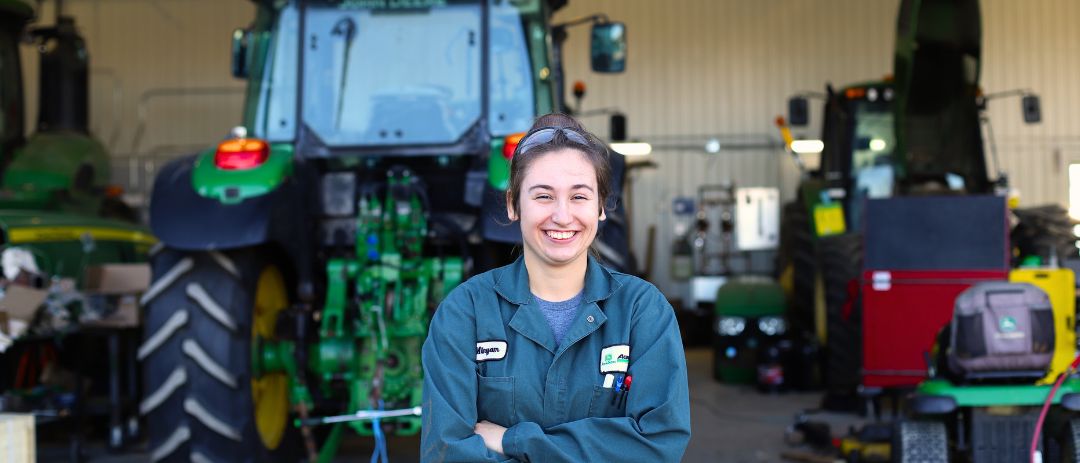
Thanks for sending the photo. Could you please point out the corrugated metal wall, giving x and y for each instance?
(1034, 45)
(698, 69)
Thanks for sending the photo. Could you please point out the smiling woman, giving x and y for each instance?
(555, 340)
(559, 215)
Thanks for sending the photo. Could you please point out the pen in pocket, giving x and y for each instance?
(625, 390)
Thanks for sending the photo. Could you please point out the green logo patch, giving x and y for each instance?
(1007, 324)
(615, 359)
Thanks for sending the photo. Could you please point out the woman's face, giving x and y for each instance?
(560, 208)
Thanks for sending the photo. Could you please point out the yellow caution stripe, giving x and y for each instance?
(52, 234)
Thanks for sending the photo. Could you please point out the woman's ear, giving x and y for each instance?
(603, 215)
(510, 207)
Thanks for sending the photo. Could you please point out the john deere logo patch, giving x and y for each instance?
(1007, 324)
(615, 359)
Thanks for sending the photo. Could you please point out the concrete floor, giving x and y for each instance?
(729, 424)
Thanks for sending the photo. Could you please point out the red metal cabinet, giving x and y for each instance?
(902, 313)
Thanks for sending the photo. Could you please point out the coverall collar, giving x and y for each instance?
(512, 283)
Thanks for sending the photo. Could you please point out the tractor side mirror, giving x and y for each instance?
(798, 111)
(1032, 109)
(608, 47)
(240, 41)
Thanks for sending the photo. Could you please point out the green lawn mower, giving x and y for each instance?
(1001, 386)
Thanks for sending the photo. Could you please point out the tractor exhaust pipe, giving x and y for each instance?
(64, 84)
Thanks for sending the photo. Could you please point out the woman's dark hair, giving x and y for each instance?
(589, 145)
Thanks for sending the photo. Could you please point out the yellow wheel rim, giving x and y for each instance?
(269, 392)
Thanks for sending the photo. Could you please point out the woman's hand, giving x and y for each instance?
(492, 435)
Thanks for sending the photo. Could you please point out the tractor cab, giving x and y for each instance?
(441, 87)
(416, 78)
(859, 141)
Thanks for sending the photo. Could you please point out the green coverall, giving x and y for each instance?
(551, 398)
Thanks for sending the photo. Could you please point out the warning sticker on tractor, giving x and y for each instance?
(829, 219)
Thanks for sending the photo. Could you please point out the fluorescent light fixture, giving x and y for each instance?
(632, 149)
(877, 144)
(807, 146)
(712, 146)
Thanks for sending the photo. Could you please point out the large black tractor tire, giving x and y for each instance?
(920, 441)
(200, 401)
(798, 256)
(841, 262)
(1069, 442)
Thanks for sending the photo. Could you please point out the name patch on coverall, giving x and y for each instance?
(615, 359)
(490, 350)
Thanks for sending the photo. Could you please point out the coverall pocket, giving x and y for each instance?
(604, 403)
(495, 399)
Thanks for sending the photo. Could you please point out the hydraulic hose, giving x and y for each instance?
(1046, 407)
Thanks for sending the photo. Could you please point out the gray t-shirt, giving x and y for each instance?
(560, 314)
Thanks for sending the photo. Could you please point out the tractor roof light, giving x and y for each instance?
(855, 93)
(807, 146)
(632, 148)
(241, 154)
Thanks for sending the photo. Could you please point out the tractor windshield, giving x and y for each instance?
(872, 148)
(375, 74)
(872, 145)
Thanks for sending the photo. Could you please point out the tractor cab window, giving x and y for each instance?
(276, 114)
(512, 104)
(872, 146)
(392, 76)
(396, 76)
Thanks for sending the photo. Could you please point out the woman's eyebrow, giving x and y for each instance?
(579, 186)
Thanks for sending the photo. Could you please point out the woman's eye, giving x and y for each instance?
(581, 197)
(543, 197)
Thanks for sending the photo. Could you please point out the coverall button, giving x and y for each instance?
(590, 319)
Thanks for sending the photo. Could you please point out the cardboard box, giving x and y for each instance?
(117, 278)
(21, 302)
(17, 444)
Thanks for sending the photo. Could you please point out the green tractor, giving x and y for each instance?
(58, 215)
(304, 254)
(55, 200)
(918, 134)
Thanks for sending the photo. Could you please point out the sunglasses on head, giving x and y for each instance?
(544, 135)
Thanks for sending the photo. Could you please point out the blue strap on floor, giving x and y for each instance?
(379, 454)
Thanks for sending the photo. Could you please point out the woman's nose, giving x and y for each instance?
(561, 212)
